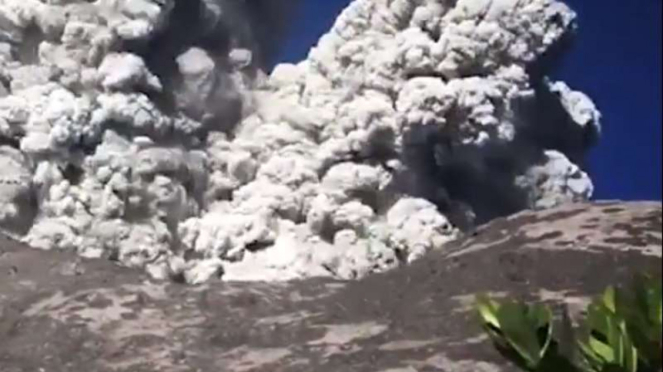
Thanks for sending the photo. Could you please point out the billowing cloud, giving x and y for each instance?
(148, 132)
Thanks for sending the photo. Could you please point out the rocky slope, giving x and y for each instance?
(144, 131)
(62, 314)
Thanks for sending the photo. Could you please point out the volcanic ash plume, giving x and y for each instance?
(145, 131)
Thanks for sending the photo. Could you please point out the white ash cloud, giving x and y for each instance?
(146, 132)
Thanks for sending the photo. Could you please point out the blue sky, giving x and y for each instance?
(616, 60)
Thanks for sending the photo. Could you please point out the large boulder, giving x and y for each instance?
(60, 313)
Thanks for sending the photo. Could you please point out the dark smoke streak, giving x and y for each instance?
(218, 27)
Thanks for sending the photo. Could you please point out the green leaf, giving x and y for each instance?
(488, 310)
(640, 306)
(622, 332)
(608, 345)
(544, 322)
(609, 299)
(521, 332)
(526, 332)
(602, 352)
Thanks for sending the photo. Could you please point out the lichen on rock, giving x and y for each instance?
(147, 132)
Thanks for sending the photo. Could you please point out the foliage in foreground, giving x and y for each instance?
(621, 332)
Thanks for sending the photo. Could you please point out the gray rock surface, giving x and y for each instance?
(61, 313)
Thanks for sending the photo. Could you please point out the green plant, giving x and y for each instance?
(622, 332)
(607, 344)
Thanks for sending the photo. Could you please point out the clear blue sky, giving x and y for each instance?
(616, 60)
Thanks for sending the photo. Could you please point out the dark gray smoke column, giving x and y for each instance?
(230, 36)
